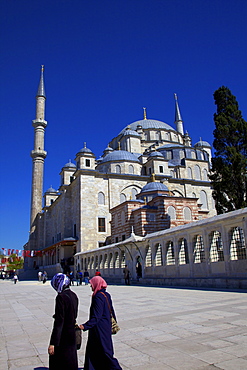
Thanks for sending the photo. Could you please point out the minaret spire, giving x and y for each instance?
(41, 88)
(178, 117)
(144, 113)
(38, 154)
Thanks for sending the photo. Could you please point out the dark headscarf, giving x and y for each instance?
(59, 282)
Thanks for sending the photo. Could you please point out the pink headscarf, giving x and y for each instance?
(97, 283)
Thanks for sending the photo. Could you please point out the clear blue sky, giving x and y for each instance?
(105, 60)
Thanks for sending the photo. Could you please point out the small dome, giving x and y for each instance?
(155, 154)
(120, 155)
(202, 144)
(85, 150)
(147, 124)
(154, 186)
(130, 132)
(51, 190)
(70, 164)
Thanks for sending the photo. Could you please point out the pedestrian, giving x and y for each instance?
(138, 270)
(71, 276)
(62, 349)
(15, 278)
(86, 277)
(99, 349)
(39, 275)
(78, 278)
(126, 273)
(44, 277)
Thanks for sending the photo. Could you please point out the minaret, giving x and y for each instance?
(38, 154)
(178, 117)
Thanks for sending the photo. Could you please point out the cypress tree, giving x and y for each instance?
(229, 164)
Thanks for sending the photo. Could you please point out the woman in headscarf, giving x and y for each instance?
(99, 350)
(62, 349)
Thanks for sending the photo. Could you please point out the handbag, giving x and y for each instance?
(114, 325)
(78, 336)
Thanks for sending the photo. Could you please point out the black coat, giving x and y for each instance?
(63, 333)
(99, 350)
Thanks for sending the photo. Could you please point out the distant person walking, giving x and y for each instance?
(62, 349)
(15, 278)
(126, 273)
(99, 350)
(138, 270)
(40, 276)
(86, 277)
(44, 277)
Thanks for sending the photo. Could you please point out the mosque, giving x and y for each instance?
(149, 178)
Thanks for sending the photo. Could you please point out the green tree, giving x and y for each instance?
(14, 262)
(229, 164)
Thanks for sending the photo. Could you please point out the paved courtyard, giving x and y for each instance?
(161, 328)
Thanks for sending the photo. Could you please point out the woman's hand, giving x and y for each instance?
(51, 350)
(81, 327)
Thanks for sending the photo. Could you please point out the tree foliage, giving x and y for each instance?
(12, 262)
(229, 164)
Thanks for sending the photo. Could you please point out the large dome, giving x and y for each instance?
(147, 124)
(120, 155)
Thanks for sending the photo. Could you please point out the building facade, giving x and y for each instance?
(150, 177)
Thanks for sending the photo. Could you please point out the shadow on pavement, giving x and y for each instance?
(47, 368)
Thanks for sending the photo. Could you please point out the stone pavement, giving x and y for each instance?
(161, 328)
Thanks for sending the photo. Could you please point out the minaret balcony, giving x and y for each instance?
(39, 122)
(38, 153)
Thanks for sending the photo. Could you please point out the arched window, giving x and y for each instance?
(194, 195)
(205, 174)
(117, 260)
(197, 172)
(110, 261)
(189, 173)
(171, 212)
(198, 249)
(183, 254)
(118, 169)
(158, 260)
(101, 198)
(101, 262)
(122, 259)
(122, 198)
(148, 258)
(193, 154)
(187, 214)
(96, 262)
(131, 169)
(105, 261)
(203, 199)
(215, 247)
(133, 193)
(168, 154)
(237, 244)
(170, 256)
